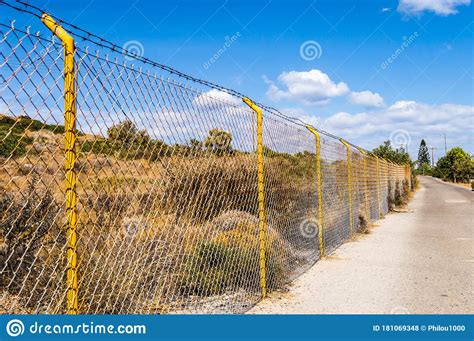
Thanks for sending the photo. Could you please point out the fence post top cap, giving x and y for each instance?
(344, 142)
(313, 130)
(252, 105)
(58, 31)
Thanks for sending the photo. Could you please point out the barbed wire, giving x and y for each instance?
(102, 42)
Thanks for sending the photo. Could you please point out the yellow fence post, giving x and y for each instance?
(320, 190)
(349, 184)
(70, 153)
(261, 197)
(366, 186)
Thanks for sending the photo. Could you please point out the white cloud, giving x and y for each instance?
(366, 98)
(309, 87)
(205, 98)
(440, 7)
(419, 120)
(385, 9)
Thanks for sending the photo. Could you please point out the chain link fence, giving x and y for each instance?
(176, 196)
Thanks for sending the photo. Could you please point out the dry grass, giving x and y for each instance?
(148, 231)
(156, 233)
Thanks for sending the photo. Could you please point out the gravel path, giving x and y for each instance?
(417, 262)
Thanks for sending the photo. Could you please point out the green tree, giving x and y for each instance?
(218, 141)
(126, 141)
(457, 165)
(127, 133)
(387, 152)
(195, 146)
(463, 169)
(424, 169)
(195, 143)
(423, 154)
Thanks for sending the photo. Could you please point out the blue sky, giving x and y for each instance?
(381, 69)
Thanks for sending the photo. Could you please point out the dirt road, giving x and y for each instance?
(421, 261)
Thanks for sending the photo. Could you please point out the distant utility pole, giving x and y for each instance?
(432, 156)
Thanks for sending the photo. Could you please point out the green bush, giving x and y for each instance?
(12, 134)
(457, 165)
(22, 123)
(215, 267)
(103, 146)
(13, 145)
(125, 141)
(414, 182)
(424, 169)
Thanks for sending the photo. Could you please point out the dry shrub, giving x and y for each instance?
(390, 197)
(401, 193)
(230, 259)
(363, 221)
(132, 252)
(289, 184)
(202, 188)
(31, 237)
(12, 304)
(118, 275)
(126, 250)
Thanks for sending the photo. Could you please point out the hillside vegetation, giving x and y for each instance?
(159, 224)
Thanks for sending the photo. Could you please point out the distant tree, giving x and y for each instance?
(126, 141)
(424, 169)
(387, 152)
(423, 154)
(218, 141)
(195, 146)
(127, 133)
(195, 143)
(463, 169)
(457, 165)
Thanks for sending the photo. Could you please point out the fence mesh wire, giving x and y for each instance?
(166, 186)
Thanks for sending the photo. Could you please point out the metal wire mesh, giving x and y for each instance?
(291, 197)
(373, 188)
(167, 189)
(33, 261)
